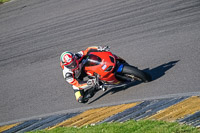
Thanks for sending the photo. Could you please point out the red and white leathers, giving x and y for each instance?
(75, 76)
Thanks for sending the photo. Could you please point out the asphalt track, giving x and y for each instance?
(159, 36)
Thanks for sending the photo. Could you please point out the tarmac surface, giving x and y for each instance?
(159, 36)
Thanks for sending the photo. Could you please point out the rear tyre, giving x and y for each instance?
(136, 74)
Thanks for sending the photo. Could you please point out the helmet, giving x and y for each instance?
(68, 60)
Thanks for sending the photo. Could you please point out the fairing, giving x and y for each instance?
(103, 64)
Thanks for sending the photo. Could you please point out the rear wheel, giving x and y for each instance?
(136, 74)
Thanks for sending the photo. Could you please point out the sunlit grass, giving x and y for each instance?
(143, 126)
(3, 1)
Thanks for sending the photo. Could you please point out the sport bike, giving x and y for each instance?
(109, 71)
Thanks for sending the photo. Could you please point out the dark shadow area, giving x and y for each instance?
(156, 73)
(159, 71)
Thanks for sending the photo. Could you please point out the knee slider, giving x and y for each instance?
(79, 96)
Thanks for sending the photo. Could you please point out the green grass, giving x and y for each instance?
(3, 1)
(143, 126)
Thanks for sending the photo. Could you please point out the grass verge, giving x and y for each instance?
(3, 1)
(143, 126)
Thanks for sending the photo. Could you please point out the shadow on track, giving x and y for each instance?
(156, 73)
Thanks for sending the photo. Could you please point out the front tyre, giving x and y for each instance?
(136, 74)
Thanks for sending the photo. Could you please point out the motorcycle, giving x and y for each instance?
(111, 71)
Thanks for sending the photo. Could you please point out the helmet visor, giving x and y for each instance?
(73, 65)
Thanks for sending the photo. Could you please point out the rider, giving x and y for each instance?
(74, 74)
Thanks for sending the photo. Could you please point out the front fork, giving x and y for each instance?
(97, 84)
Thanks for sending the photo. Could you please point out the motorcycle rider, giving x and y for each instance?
(73, 73)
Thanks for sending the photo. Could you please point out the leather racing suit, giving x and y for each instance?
(76, 77)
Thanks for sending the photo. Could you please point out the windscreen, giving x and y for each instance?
(92, 60)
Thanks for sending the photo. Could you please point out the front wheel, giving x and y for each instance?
(136, 74)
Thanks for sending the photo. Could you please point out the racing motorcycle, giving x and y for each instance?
(111, 71)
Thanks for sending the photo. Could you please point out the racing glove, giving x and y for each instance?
(105, 48)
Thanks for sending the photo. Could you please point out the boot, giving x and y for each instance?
(89, 93)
